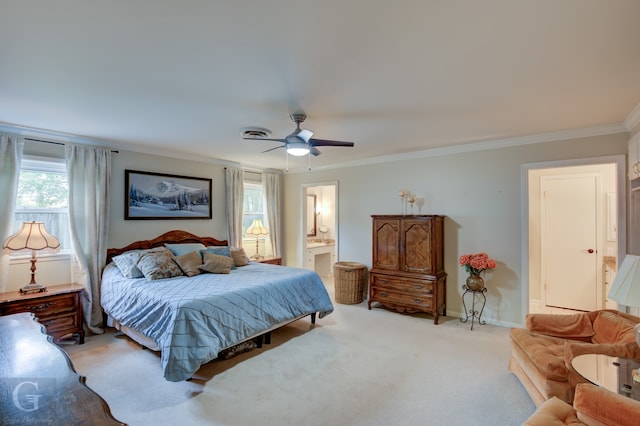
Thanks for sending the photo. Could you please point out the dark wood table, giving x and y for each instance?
(39, 383)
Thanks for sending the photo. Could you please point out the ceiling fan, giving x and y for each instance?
(299, 142)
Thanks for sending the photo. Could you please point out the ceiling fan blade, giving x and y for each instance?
(314, 151)
(277, 147)
(305, 135)
(324, 142)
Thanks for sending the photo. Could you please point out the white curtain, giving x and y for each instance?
(89, 170)
(235, 199)
(271, 184)
(11, 149)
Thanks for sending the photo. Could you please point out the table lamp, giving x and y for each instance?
(626, 286)
(31, 237)
(257, 229)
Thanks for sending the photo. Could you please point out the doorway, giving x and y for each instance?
(585, 189)
(319, 233)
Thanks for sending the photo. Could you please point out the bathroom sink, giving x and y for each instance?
(314, 245)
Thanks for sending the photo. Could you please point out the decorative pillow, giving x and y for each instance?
(219, 250)
(126, 263)
(180, 249)
(190, 263)
(158, 265)
(216, 264)
(239, 256)
(612, 328)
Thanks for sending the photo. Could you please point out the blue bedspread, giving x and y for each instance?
(193, 318)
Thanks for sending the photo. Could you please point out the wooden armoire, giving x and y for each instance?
(407, 270)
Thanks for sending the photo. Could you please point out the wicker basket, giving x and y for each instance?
(349, 281)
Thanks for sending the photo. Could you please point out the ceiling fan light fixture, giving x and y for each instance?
(297, 149)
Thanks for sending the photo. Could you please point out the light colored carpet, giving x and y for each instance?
(354, 367)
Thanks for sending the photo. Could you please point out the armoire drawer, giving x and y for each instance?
(414, 287)
(389, 297)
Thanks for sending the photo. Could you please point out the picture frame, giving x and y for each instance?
(154, 196)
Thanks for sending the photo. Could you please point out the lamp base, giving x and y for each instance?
(257, 257)
(33, 288)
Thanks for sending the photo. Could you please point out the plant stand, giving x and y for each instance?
(473, 313)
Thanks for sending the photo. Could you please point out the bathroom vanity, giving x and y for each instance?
(320, 257)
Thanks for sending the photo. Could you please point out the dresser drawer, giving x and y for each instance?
(59, 324)
(385, 296)
(43, 307)
(394, 284)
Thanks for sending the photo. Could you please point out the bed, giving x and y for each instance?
(191, 319)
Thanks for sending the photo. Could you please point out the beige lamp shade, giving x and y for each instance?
(257, 229)
(31, 236)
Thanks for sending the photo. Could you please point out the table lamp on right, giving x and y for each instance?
(626, 286)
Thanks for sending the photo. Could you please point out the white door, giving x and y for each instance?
(569, 241)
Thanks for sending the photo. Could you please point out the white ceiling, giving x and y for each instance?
(392, 76)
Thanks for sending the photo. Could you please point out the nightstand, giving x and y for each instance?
(59, 309)
(270, 260)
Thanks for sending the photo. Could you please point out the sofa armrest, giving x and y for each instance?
(573, 326)
(599, 404)
(622, 350)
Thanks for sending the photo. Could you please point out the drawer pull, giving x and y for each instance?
(41, 307)
(384, 294)
(417, 286)
(417, 300)
(382, 281)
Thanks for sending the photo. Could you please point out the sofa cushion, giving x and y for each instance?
(553, 412)
(546, 353)
(572, 326)
(612, 328)
(598, 406)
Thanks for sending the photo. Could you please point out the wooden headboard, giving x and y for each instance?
(171, 237)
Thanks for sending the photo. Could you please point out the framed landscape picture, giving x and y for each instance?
(161, 196)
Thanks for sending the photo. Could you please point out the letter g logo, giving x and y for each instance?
(32, 399)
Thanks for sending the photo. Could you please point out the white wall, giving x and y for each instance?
(479, 192)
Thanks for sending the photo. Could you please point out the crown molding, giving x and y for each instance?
(609, 129)
(62, 137)
(633, 120)
(473, 146)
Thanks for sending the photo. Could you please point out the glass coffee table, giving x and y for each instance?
(613, 373)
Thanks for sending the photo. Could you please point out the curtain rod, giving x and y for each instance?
(59, 143)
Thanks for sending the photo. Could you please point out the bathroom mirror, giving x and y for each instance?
(311, 215)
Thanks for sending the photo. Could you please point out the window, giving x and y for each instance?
(43, 196)
(253, 205)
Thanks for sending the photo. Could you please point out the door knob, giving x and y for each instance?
(590, 251)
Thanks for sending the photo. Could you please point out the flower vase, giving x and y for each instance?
(475, 282)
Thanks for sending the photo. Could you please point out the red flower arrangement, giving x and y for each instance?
(477, 263)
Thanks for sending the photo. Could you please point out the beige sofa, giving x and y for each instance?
(541, 354)
(592, 406)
